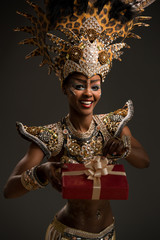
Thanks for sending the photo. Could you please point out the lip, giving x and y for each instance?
(86, 103)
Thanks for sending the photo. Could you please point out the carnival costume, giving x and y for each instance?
(91, 46)
(79, 147)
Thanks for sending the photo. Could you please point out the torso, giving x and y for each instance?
(87, 215)
(65, 145)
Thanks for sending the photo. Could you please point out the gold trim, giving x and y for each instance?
(103, 129)
(58, 147)
(61, 228)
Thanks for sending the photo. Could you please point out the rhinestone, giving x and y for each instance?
(103, 57)
(45, 136)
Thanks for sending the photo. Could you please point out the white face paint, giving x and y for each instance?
(83, 93)
(72, 91)
(81, 85)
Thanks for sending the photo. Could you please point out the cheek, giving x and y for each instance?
(73, 95)
(77, 93)
(72, 90)
(98, 95)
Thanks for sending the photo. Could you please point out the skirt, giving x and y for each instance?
(58, 231)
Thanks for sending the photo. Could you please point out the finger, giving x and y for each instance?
(55, 182)
(57, 164)
(64, 166)
(113, 148)
(55, 168)
(109, 142)
(56, 186)
(121, 149)
(58, 171)
(54, 177)
(106, 148)
(58, 176)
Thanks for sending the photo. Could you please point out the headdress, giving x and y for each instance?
(91, 43)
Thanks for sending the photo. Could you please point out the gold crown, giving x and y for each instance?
(90, 46)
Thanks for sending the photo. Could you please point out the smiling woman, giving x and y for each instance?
(80, 138)
(83, 94)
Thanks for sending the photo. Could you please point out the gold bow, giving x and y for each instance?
(95, 169)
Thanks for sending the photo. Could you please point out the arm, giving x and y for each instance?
(137, 157)
(46, 171)
(13, 187)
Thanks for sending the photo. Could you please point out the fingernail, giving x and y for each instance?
(64, 166)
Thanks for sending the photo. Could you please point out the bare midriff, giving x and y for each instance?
(87, 215)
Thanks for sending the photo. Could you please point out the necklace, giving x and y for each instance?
(81, 146)
(80, 135)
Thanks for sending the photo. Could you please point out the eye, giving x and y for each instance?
(79, 87)
(95, 87)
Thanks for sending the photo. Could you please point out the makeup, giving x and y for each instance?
(72, 91)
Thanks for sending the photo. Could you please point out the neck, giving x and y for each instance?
(80, 122)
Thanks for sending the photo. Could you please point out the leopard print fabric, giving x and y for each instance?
(89, 47)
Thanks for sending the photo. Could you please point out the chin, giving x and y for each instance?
(86, 111)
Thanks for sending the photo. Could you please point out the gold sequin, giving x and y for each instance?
(75, 54)
(103, 57)
(92, 34)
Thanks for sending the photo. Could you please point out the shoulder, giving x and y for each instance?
(48, 137)
(116, 120)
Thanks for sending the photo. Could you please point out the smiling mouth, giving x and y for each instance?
(86, 104)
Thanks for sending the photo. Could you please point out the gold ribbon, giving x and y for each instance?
(94, 170)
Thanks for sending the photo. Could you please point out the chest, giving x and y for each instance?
(80, 147)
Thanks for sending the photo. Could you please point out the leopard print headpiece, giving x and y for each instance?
(90, 46)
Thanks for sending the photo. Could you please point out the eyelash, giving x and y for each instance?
(79, 87)
(82, 87)
(95, 87)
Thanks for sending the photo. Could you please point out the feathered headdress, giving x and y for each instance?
(92, 29)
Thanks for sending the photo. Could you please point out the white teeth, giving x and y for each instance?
(86, 102)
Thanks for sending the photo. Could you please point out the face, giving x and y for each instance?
(83, 93)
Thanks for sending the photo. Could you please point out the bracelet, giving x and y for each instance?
(127, 144)
(30, 180)
(41, 184)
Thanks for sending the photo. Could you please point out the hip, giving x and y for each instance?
(57, 230)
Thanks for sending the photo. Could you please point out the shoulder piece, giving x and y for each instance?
(49, 138)
(116, 120)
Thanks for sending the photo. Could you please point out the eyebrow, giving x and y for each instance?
(81, 80)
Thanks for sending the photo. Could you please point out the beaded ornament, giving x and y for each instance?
(90, 47)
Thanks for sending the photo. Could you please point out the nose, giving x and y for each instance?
(88, 92)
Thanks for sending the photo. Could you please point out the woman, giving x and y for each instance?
(59, 142)
(93, 215)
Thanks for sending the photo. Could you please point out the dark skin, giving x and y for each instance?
(88, 215)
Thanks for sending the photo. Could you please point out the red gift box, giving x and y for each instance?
(75, 184)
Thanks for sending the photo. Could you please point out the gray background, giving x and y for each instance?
(30, 96)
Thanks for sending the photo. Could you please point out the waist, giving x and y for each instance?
(86, 215)
(58, 230)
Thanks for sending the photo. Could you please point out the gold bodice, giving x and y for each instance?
(78, 147)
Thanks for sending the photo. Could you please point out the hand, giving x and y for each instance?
(114, 147)
(51, 171)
